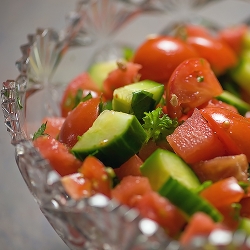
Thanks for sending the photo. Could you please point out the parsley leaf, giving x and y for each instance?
(79, 98)
(158, 125)
(40, 131)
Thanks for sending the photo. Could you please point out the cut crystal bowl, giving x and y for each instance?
(49, 60)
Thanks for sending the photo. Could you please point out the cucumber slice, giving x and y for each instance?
(233, 100)
(162, 164)
(113, 138)
(245, 225)
(186, 200)
(100, 70)
(138, 98)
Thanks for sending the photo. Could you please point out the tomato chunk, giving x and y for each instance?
(126, 73)
(220, 56)
(159, 209)
(58, 155)
(159, 56)
(232, 129)
(95, 171)
(79, 121)
(131, 189)
(195, 141)
(224, 192)
(187, 30)
(81, 82)
(245, 207)
(53, 125)
(233, 36)
(77, 186)
(222, 167)
(192, 84)
(199, 225)
(130, 167)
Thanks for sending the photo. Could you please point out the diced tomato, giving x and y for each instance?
(217, 103)
(147, 149)
(130, 167)
(79, 121)
(131, 189)
(53, 125)
(81, 82)
(187, 30)
(195, 141)
(159, 56)
(231, 215)
(220, 56)
(200, 224)
(192, 84)
(159, 209)
(245, 207)
(126, 73)
(244, 95)
(58, 155)
(224, 192)
(95, 171)
(231, 128)
(77, 186)
(233, 36)
(222, 167)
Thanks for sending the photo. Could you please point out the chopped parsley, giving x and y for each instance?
(158, 125)
(40, 131)
(79, 97)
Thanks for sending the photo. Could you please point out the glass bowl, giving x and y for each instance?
(50, 60)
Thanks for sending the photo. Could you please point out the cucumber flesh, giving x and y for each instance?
(162, 164)
(113, 138)
(188, 201)
(245, 225)
(145, 92)
(100, 70)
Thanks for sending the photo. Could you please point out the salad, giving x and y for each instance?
(164, 130)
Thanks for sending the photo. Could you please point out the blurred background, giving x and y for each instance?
(22, 225)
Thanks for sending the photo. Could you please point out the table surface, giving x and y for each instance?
(22, 225)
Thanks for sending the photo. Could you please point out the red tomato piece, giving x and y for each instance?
(216, 103)
(217, 53)
(231, 128)
(77, 186)
(159, 56)
(222, 167)
(233, 37)
(130, 167)
(126, 73)
(195, 141)
(197, 30)
(192, 84)
(245, 207)
(200, 224)
(231, 218)
(79, 121)
(53, 125)
(160, 210)
(81, 82)
(95, 171)
(223, 192)
(58, 155)
(131, 189)
(187, 30)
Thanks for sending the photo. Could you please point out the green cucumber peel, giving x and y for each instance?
(113, 138)
(188, 201)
